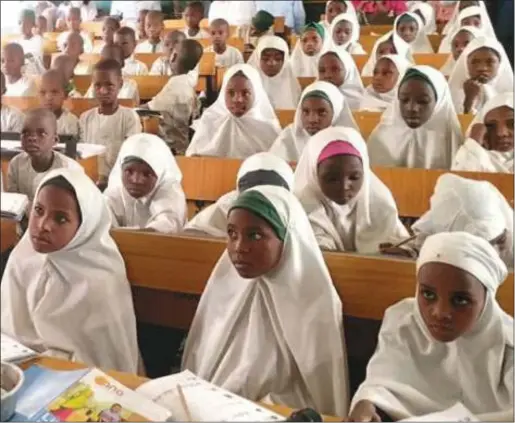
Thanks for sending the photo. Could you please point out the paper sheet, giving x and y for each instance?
(13, 205)
(457, 413)
(14, 352)
(84, 150)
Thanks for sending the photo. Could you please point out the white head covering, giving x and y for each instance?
(302, 65)
(431, 146)
(219, 133)
(251, 344)
(292, 140)
(455, 21)
(502, 82)
(446, 43)
(375, 101)
(352, 46)
(428, 12)
(373, 211)
(351, 10)
(446, 47)
(164, 208)
(213, 219)
(411, 374)
(401, 46)
(421, 44)
(283, 89)
(76, 301)
(473, 157)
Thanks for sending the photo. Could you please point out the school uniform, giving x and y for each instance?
(251, 345)
(350, 9)
(83, 68)
(161, 66)
(428, 12)
(202, 34)
(147, 47)
(401, 46)
(33, 66)
(446, 43)
(230, 57)
(352, 46)
(33, 45)
(47, 299)
(12, 119)
(68, 124)
(421, 43)
(476, 369)
(221, 134)
(88, 12)
(129, 90)
(164, 208)
(303, 65)
(486, 23)
(290, 143)
(236, 13)
(369, 219)
(63, 38)
(23, 87)
(445, 47)
(134, 67)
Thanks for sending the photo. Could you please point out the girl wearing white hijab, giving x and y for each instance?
(334, 8)
(144, 189)
(427, 12)
(307, 50)
(339, 30)
(245, 334)
(425, 137)
(389, 43)
(65, 291)
(492, 151)
(259, 169)
(455, 22)
(452, 343)
(465, 19)
(358, 217)
(240, 123)
(454, 44)
(292, 140)
(410, 27)
(473, 83)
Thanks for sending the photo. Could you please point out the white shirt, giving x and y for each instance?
(129, 90)
(23, 87)
(129, 9)
(231, 56)
(63, 37)
(161, 66)
(146, 47)
(12, 119)
(134, 67)
(33, 45)
(202, 34)
(88, 12)
(68, 124)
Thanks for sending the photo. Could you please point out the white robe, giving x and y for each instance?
(454, 23)
(446, 43)
(68, 124)
(428, 12)
(23, 87)
(74, 303)
(421, 43)
(446, 47)
(236, 13)
(352, 46)
(302, 65)
(11, 118)
(147, 47)
(230, 57)
(401, 47)
(133, 67)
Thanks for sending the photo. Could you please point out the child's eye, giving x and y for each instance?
(461, 301)
(60, 219)
(38, 210)
(428, 295)
(255, 236)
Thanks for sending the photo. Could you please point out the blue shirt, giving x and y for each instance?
(292, 10)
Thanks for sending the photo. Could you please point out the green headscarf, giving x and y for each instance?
(315, 26)
(319, 94)
(262, 21)
(416, 74)
(258, 204)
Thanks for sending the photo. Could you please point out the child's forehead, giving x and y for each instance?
(39, 121)
(104, 75)
(50, 81)
(271, 50)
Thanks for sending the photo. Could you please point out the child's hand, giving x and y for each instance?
(478, 133)
(364, 411)
(102, 183)
(472, 88)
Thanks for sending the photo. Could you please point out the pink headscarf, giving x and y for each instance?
(338, 148)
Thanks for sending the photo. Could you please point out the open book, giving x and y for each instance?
(14, 352)
(13, 205)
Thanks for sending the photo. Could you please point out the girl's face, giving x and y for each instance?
(483, 64)
(239, 95)
(450, 300)
(333, 9)
(138, 178)
(386, 47)
(417, 101)
(472, 21)
(54, 219)
(459, 42)
(340, 178)
(331, 69)
(342, 32)
(38, 136)
(253, 246)
(317, 114)
(407, 30)
(385, 76)
(311, 43)
(271, 61)
(499, 129)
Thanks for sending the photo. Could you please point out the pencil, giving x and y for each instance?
(184, 403)
(411, 238)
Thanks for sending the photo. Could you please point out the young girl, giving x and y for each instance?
(144, 190)
(457, 42)
(390, 43)
(427, 13)
(420, 129)
(321, 105)
(349, 208)
(410, 27)
(65, 291)
(305, 55)
(482, 72)
(454, 23)
(453, 336)
(259, 169)
(344, 34)
(338, 67)
(388, 74)
(241, 122)
(334, 8)
(245, 334)
(276, 72)
(469, 17)
(489, 143)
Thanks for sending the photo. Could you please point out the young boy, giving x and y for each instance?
(65, 64)
(177, 101)
(11, 118)
(125, 37)
(162, 65)
(74, 47)
(153, 29)
(41, 25)
(32, 44)
(226, 56)
(140, 24)
(18, 85)
(73, 21)
(38, 137)
(109, 28)
(108, 124)
(193, 14)
(52, 94)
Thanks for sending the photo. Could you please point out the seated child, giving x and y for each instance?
(240, 123)
(162, 65)
(344, 34)
(73, 21)
(307, 50)
(262, 24)
(470, 18)
(38, 138)
(140, 24)
(125, 37)
(193, 14)
(259, 169)
(427, 14)
(154, 28)
(11, 118)
(32, 44)
(489, 143)
(388, 74)
(109, 27)
(17, 84)
(74, 47)
(334, 8)
(458, 41)
(321, 105)
(226, 55)
(455, 321)
(426, 136)
(109, 124)
(65, 266)
(349, 208)
(65, 64)
(410, 27)
(144, 190)
(41, 27)
(390, 43)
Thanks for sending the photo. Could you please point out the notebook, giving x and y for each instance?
(14, 352)
(13, 205)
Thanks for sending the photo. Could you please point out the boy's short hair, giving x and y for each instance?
(196, 6)
(175, 35)
(219, 22)
(63, 60)
(115, 20)
(108, 65)
(73, 11)
(43, 113)
(14, 48)
(75, 35)
(28, 14)
(55, 74)
(154, 15)
(191, 53)
(109, 50)
(126, 31)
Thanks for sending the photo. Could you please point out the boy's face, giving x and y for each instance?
(192, 16)
(340, 178)
(153, 28)
(51, 94)
(38, 136)
(142, 14)
(219, 35)
(108, 30)
(385, 76)
(73, 21)
(483, 65)
(106, 84)
(169, 44)
(499, 129)
(342, 32)
(12, 62)
(311, 43)
(271, 61)
(127, 43)
(416, 102)
(74, 46)
(331, 69)
(41, 26)
(333, 9)
(26, 26)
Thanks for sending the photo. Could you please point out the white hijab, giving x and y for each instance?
(302, 65)
(502, 82)
(292, 140)
(213, 219)
(411, 374)
(431, 146)
(351, 10)
(372, 213)
(164, 208)
(352, 46)
(401, 47)
(284, 88)
(428, 12)
(455, 22)
(446, 43)
(473, 157)
(446, 46)
(421, 44)
(245, 334)
(375, 101)
(75, 303)
(219, 133)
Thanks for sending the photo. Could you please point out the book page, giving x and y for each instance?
(12, 351)
(13, 204)
(457, 413)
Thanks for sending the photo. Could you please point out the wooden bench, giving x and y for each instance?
(235, 42)
(375, 29)
(179, 24)
(93, 27)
